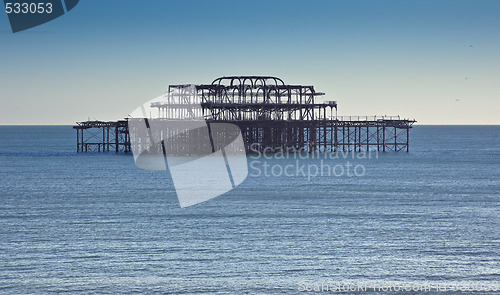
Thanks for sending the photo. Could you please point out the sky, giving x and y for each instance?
(437, 62)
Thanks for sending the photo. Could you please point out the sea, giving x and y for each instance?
(425, 221)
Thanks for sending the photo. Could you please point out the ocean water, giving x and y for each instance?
(96, 224)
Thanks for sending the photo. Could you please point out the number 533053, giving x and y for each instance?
(26, 8)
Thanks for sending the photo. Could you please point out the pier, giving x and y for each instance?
(270, 114)
(99, 136)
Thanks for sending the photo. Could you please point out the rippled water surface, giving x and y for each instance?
(94, 223)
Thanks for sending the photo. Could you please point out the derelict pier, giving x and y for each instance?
(270, 114)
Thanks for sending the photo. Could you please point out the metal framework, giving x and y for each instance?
(99, 136)
(271, 115)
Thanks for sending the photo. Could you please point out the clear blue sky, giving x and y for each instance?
(435, 61)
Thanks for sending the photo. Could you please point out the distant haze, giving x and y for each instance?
(434, 61)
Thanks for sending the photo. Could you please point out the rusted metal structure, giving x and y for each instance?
(271, 115)
(99, 136)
